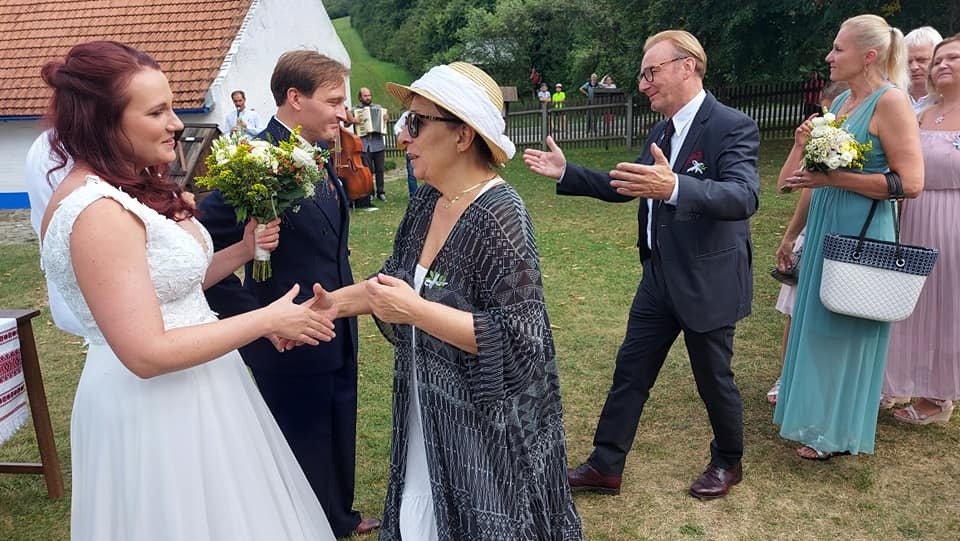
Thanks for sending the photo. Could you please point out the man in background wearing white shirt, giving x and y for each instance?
(243, 119)
(40, 187)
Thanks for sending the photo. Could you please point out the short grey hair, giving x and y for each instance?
(925, 35)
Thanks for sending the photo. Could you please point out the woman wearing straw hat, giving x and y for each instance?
(478, 442)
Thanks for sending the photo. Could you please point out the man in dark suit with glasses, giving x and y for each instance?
(698, 183)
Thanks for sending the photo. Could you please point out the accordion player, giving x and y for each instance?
(370, 120)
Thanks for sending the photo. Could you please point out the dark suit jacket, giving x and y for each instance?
(704, 241)
(313, 248)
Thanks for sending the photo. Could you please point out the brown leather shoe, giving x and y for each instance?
(585, 478)
(367, 525)
(715, 482)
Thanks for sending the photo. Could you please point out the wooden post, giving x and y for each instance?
(629, 136)
(544, 126)
(49, 465)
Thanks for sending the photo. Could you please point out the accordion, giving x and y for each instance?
(370, 120)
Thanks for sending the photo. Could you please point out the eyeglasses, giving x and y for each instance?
(415, 122)
(649, 72)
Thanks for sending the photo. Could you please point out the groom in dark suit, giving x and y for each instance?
(311, 391)
(698, 183)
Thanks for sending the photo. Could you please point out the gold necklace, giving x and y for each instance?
(449, 202)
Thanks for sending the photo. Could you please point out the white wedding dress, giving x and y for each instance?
(187, 456)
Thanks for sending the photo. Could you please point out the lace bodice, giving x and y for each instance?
(177, 261)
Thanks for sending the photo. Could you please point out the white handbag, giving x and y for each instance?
(873, 279)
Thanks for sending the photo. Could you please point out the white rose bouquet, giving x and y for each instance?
(261, 180)
(831, 147)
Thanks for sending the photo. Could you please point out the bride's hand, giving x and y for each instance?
(322, 302)
(299, 322)
(268, 239)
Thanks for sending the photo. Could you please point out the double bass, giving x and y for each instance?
(356, 177)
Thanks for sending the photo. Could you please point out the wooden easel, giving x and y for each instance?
(49, 465)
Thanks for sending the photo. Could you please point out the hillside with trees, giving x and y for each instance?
(747, 41)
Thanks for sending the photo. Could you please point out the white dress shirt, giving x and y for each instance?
(681, 124)
(249, 117)
(919, 104)
(39, 191)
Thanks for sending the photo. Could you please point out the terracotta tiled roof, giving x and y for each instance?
(188, 38)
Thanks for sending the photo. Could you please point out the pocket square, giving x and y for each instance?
(695, 163)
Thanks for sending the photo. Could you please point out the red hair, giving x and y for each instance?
(89, 97)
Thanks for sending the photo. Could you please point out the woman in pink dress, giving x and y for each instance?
(924, 352)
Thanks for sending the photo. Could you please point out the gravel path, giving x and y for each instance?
(15, 227)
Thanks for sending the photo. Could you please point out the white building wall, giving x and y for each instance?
(15, 140)
(272, 27)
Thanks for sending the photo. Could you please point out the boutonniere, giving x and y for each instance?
(435, 280)
(695, 163)
(697, 167)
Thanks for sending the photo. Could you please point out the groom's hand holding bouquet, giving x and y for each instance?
(261, 180)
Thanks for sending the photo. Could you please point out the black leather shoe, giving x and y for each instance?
(367, 525)
(585, 478)
(715, 482)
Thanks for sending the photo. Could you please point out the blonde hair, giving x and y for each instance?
(685, 43)
(873, 32)
(931, 87)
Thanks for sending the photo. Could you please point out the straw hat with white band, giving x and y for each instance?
(470, 95)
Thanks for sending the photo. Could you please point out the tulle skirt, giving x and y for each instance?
(191, 455)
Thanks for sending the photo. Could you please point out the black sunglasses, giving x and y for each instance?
(415, 122)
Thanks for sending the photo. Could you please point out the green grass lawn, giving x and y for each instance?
(907, 490)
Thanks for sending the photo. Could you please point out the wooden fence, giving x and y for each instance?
(615, 119)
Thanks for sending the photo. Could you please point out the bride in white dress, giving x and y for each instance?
(170, 438)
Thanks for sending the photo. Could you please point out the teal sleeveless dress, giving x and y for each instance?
(833, 368)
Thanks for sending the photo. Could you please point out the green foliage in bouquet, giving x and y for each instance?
(261, 180)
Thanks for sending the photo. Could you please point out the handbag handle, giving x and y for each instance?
(899, 261)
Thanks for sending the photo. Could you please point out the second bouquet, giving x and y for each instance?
(261, 180)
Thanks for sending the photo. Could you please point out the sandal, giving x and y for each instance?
(888, 402)
(818, 454)
(773, 393)
(912, 416)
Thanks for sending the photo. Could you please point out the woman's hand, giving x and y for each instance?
(785, 258)
(299, 322)
(801, 178)
(802, 133)
(392, 300)
(268, 239)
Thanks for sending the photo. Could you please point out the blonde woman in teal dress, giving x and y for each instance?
(833, 370)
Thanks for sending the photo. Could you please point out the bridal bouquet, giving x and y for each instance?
(831, 147)
(261, 180)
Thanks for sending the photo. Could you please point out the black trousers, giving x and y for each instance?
(374, 161)
(651, 329)
(317, 414)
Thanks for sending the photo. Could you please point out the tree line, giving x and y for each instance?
(747, 41)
